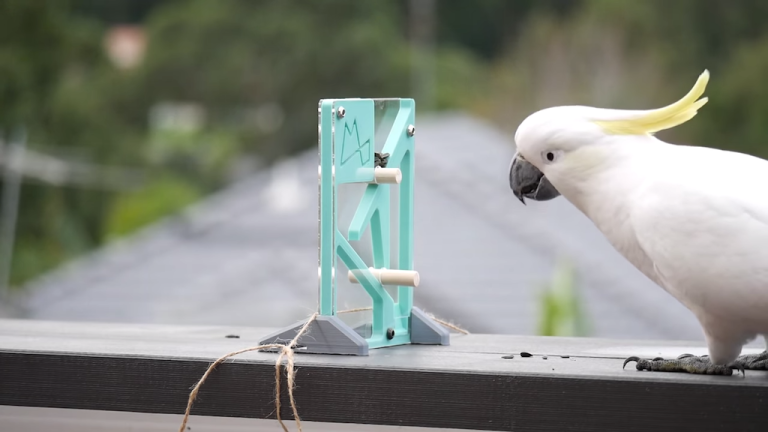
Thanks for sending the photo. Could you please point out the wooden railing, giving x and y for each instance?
(568, 384)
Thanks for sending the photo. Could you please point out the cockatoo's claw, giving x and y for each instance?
(685, 363)
(630, 359)
(752, 361)
(739, 368)
(640, 361)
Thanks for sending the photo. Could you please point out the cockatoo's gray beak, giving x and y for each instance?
(527, 181)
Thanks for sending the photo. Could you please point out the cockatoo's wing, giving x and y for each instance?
(702, 220)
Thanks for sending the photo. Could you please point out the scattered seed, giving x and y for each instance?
(511, 356)
(526, 354)
(232, 336)
(544, 357)
(565, 356)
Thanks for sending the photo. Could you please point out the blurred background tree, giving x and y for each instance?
(204, 91)
(562, 313)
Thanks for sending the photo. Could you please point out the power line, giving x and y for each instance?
(18, 163)
(33, 165)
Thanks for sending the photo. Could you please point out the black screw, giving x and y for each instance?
(390, 333)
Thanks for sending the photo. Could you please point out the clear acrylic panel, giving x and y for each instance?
(348, 199)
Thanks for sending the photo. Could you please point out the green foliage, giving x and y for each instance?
(236, 56)
(452, 67)
(560, 307)
(561, 312)
(257, 68)
(486, 27)
(735, 116)
(44, 50)
(158, 199)
(200, 157)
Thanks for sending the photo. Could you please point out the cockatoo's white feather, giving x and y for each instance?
(695, 221)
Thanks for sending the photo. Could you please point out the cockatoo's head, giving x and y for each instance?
(562, 141)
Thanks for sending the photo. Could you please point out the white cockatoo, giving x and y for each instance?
(692, 219)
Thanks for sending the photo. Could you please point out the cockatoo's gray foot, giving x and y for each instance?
(753, 361)
(686, 363)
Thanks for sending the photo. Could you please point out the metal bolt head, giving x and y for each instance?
(411, 130)
(341, 112)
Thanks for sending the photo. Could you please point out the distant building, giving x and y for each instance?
(248, 255)
(125, 45)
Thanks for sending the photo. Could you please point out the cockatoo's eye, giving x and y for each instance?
(550, 155)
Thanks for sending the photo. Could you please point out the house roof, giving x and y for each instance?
(248, 255)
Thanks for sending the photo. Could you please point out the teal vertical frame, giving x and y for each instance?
(406, 163)
(373, 211)
(401, 149)
(327, 213)
(394, 322)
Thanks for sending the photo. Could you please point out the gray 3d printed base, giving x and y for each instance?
(325, 335)
(426, 331)
(330, 335)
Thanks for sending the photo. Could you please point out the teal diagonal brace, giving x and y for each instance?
(399, 144)
(382, 304)
(369, 204)
(374, 211)
(374, 207)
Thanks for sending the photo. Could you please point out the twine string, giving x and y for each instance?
(287, 352)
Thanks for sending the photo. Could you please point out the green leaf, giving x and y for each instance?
(156, 200)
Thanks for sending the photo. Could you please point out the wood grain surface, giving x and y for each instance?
(568, 384)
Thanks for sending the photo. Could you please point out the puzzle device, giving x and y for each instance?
(349, 133)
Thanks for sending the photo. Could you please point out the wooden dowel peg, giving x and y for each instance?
(392, 277)
(387, 175)
(380, 175)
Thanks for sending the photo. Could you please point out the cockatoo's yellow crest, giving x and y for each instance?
(651, 121)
